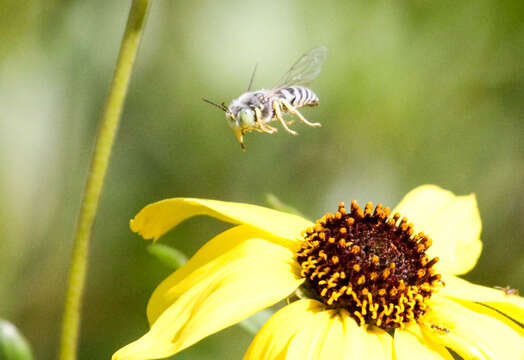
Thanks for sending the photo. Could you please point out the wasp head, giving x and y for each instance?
(246, 118)
(241, 121)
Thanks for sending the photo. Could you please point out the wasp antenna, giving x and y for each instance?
(252, 77)
(222, 106)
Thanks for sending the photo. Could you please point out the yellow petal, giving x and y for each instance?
(332, 345)
(453, 222)
(220, 247)
(511, 305)
(410, 343)
(470, 334)
(377, 344)
(295, 322)
(306, 330)
(253, 274)
(482, 309)
(306, 343)
(158, 218)
(345, 340)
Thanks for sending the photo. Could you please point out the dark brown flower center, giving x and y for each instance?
(370, 264)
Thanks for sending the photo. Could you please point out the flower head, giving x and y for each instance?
(370, 264)
(373, 285)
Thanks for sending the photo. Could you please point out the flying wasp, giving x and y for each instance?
(253, 110)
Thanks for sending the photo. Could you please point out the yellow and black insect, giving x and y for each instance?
(253, 110)
(508, 290)
(440, 329)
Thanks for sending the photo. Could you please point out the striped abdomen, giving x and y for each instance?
(298, 96)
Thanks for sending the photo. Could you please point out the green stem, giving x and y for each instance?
(106, 134)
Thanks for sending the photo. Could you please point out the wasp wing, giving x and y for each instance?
(305, 70)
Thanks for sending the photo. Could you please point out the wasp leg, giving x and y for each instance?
(268, 129)
(278, 115)
(261, 129)
(262, 125)
(290, 108)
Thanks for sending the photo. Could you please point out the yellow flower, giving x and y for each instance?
(376, 289)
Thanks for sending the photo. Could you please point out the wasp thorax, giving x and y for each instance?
(370, 264)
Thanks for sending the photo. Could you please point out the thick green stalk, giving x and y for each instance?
(108, 127)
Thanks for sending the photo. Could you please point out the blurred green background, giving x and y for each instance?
(412, 92)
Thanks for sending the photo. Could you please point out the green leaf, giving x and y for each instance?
(273, 201)
(168, 255)
(253, 323)
(13, 345)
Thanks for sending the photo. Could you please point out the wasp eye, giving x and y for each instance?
(246, 118)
